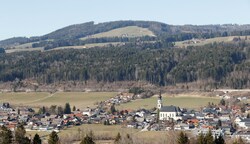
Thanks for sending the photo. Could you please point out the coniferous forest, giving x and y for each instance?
(224, 65)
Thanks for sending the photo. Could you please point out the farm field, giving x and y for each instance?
(88, 46)
(200, 42)
(130, 31)
(88, 99)
(107, 132)
(78, 99)
(23, 49)
(193, 102)
(99, 130)
(21, 98)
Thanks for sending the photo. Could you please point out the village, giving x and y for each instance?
(230, 118)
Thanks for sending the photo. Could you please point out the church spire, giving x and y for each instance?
(159, 101)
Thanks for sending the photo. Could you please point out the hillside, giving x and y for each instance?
(221, 65)
(189, 57)
(130, 31)
(201, 42)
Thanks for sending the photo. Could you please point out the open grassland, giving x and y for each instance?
(88, 99)
(89, 46)
(99, 130)
(78, 99)
(23, 49)
(192, 102)
(130, 31)
(23, 46)
(109, 132)
(21, 98)
(200, 42)
(106, 134)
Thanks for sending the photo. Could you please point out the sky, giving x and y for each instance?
(39, 17)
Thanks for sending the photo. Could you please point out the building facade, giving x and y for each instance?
(167, 112)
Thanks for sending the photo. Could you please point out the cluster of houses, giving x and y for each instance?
(224, 120)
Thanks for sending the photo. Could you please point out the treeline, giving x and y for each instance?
(216, 65)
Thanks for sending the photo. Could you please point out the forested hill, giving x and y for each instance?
(164, 33)
(215, 65)
(128, 51)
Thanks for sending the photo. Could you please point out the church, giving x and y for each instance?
(168, 112)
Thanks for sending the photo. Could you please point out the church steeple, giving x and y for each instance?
(159, 101)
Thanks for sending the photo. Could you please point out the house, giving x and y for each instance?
(243, 123)
(88, 112)
(224, 117)
(168, 112)
(200, 116)
(244, 135)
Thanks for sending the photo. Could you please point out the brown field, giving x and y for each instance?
(78, 99)
(130, 31)
(88, 46)
(200, 42)
(183, 101)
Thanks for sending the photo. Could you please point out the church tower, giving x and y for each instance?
(159, 101)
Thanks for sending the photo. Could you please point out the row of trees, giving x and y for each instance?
(54, 109)
(206, 139)
(6, 137)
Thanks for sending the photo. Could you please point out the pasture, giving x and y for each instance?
(78, 99)
(86, 46)
(200, 42)
(130, 31)
(192, 102)
(88, 99)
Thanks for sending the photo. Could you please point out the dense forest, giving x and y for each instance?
(216, 65)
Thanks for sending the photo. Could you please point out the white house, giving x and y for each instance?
(88, 112)
(243, 123)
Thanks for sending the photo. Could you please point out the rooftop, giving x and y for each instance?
(170, 109)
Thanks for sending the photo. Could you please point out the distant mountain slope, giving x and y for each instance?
(69, 36)
(89, 28)
(14, 41)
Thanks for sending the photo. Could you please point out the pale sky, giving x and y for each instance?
(39, 17)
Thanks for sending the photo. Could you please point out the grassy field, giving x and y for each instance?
(181, 101)
(23, 49)
(78, 99)
(88, 46)
(84, 99)
(21, 98)
(99, 130)
(200, 42)
(130, 31)
(102, 132)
